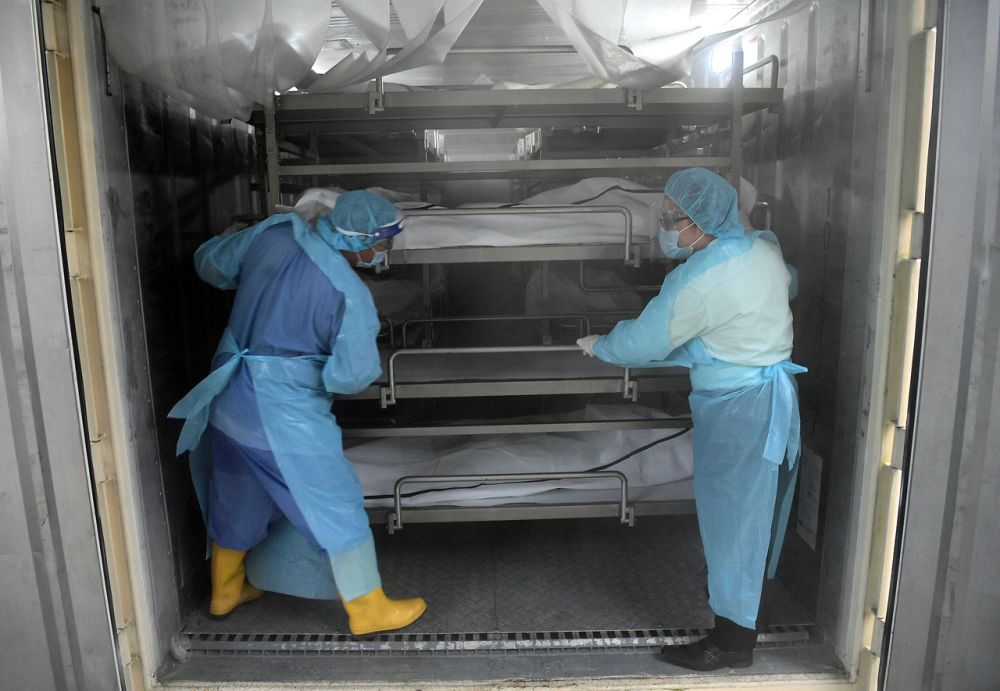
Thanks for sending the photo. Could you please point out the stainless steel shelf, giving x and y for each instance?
(464, 109)
(440, 170)
(499, 427)
(504, 513)
(526, 387)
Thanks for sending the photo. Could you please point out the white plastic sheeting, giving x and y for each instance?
(217, 56)
(223, 56)
(661, 52)
(595, 35)
(427, 41)
(593, 28)
(381, 462)
(666, 56)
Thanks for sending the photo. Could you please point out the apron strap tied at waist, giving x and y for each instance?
(195, 407)
(783, 434)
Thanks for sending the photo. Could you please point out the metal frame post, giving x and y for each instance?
(736, 126)
(271, 153)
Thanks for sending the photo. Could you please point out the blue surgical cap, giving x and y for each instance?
(364, 212)
(708, 200)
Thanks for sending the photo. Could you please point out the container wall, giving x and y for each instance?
(55, 625)
(188, 178)
(823, 164)
(170, 178)
(177, 177)
(944, 623)
(188, 175)
(800, 159)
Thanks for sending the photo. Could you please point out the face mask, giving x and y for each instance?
(669, 239)
(377, 261)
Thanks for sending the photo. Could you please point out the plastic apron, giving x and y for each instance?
(293, 398)
(746, 423)
(743, 487)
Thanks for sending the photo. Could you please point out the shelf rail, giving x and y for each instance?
(625, 513)
(388, 393)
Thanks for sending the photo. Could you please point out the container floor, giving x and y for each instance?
(527, 600)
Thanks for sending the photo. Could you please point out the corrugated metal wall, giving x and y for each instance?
(188, 178)
(185, 177)
(55, 628)
(810, 163)
(946, 618)
(171, 179)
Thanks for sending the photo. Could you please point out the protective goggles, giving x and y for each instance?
(669, 218)
(381, 233)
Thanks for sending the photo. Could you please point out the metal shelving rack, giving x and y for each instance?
(379, 111)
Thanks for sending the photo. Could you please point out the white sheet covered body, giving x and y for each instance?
(661, 472)
(381, 462)
(437, 232)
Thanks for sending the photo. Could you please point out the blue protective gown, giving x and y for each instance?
(302, 328)
(724, 314)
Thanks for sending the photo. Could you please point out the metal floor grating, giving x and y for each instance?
(554, 587)
(502, 643)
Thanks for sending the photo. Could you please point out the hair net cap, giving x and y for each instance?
(708, 200)
(374, 218)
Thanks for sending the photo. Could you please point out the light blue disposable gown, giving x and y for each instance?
(724, 314)
(302, 328)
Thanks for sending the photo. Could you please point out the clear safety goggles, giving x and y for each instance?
(669, 218)
(381, 233)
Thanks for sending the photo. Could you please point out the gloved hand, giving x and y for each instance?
(587, 344)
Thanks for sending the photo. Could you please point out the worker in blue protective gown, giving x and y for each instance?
(724, 314)
(302, 329)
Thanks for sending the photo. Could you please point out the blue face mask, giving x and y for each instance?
(377, 261)
(668, 243)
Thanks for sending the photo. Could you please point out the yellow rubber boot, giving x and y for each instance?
(229, 582)
(374, 612)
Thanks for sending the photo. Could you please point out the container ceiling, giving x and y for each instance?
(515, 24)
(223, 56)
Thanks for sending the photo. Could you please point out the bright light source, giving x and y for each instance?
(501, 144)
(722, 58)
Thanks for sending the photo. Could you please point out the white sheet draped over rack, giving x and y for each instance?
(224, 56)
(383, 461)
(431, 28)
(218, 56)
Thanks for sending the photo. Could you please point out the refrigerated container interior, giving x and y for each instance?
(576, 593)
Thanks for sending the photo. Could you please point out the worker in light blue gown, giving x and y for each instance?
(724, 314)
(302, 329)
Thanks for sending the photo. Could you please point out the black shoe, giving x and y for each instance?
(705, 656)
